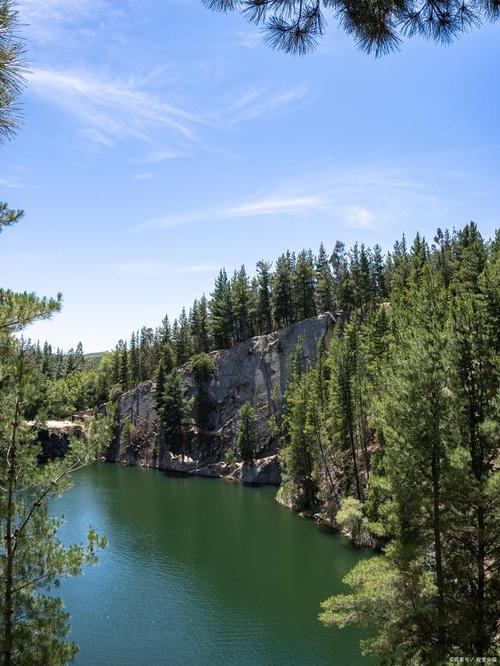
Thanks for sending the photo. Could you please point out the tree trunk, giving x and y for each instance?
(477, 455)
(325, 462)
(9, 542)
(436, 519)
(350, 432)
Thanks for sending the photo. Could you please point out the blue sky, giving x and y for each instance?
(161, 141)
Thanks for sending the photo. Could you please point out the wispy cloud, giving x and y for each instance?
(14, 183)
(276, 205)
(357, 217)
(157, 156)
(262, 101)
(370, 197)
(267, 206)
(110, 109)
(47, 20)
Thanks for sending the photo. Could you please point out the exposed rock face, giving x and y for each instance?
(54, 438)
(254, 371)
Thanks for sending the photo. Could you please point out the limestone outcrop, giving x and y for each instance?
(255, 371)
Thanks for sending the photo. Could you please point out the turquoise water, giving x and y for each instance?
(200, 571)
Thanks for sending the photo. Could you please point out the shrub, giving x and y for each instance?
(229, 457)
(203, 367)
(350, 515)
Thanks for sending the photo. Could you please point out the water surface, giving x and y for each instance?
(200, 571)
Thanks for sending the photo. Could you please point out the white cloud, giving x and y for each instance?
(261, 101)
(369, 197)
(157, 156)
(10, 182)
(273, 205)
(357, 217)
(47, 20)
(143, 176)
(276, 205)
(112, 109)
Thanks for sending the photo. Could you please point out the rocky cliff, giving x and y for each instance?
(256, 371)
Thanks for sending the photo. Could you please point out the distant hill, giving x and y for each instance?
(92, 360)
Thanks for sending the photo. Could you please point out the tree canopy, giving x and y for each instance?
(11, 68)
(377, 26)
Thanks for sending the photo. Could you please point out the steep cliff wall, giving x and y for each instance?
(254, 371)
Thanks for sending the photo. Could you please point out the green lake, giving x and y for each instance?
(200, 571)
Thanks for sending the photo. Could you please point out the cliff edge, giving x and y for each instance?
(254, 371)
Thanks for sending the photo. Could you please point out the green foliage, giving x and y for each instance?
(11, 71)
(264, 307)
(374, 602)
(282, 290)
(221, 312)
(8, 216)
(173, 410)
(127, 434)
(378, 28)
(433, 490)
(34, 625)
(298, 451)
(246, 436)
(350, 515)
(203, 367)
(229, 457)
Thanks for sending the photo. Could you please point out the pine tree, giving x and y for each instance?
(399, 270)
(443, 255)
(46, 367)
(203, 367)
(203, 326)
(475, 533)
(419, 255)
(378, 274)
(172, 411)
(34, 626)
(134, 361)
(183, 341)
(161, 376)
(282, 294)
(297, 454)
(264, 307)
(199, 326)
(379, 29)
(304, 286)
(167, 358)
(123, 377)
(409, 589)
(246, 436)
(221, 313)
(342, 289)
(79, 357)
(70, 364)
(147, 363)
(470, 256)
(12, 69)
(241, 305)
(324, 282)
(344, 433)
(115, 369)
